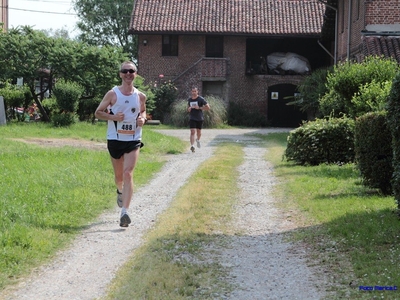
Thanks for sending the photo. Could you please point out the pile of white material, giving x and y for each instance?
(281, 61)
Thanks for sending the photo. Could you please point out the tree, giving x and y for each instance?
(105, 22)
(37, 58)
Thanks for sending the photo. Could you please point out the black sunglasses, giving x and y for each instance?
(127, 70)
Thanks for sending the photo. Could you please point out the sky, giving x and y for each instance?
(43, 14)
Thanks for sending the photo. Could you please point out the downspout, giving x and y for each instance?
(349, 31)
(336, 32)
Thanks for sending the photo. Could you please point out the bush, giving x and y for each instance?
(165, 95)
(215, 117)
(350, 79)
(67, 96)
(322, 141)
(393, 117)
(87, 107)
(240, 115)
(373, 151)
(15, 97)
(63, 120)
(371, 97)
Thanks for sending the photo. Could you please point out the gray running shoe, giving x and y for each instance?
(192, 149)
(119, 198)
(125, 221)
(198, 144)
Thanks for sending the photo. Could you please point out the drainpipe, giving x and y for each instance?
(349, 32)
(336, 30)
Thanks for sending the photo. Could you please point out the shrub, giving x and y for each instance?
(14, 97)
(87, 107)
(215, 117)
(322, 141)
(371, 97)
(67, 96)
(350, 79)
(240, 115)
(393, 117)
(373, 151)
(165, 95)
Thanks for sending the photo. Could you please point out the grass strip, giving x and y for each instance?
(353, 229)
(48, 194)
(175, 261)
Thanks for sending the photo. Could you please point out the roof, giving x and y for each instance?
(229, 17)
(388, 46)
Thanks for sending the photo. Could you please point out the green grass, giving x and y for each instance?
(49, 194)
(354, 230)
(174, 262)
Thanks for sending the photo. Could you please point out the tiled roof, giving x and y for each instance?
(249, 17)
(389, 46)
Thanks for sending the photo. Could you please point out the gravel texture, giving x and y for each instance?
(262, 264)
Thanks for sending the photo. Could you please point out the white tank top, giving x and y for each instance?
(130, 107)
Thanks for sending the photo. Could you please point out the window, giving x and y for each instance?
(214, 46)
(170, 45)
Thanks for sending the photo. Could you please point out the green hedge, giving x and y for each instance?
(393, 117)
(374, 151)
(322, 141)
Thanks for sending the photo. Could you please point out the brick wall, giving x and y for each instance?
(382, 12)
(363, 13)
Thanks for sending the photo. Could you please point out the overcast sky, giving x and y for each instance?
(43, 14)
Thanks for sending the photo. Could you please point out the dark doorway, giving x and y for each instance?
(280, 114)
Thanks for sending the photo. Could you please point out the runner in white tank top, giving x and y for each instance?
(126, 130)
(124, 108)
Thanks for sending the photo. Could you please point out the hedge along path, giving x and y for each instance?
(84, 270)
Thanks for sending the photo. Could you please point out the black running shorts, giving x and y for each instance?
(119, 148)
(195, 124)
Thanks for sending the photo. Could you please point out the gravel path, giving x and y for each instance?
(263, 265)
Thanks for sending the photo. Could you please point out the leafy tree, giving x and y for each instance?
(38, 58)
(105, 22)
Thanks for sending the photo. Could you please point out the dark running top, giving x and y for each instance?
(196, 114)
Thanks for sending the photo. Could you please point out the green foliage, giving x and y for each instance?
(67, 95)
(105, 22)
(322, 141)
(393, 117)
(146, 89)
(371, 97)
(373, 151)
(87, 107)
(349, 80)
(311, 89)
(241, 115)
(164, 95)
(28, 53)
(63, 119)
(215, 117)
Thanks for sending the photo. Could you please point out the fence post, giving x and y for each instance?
(3, 120)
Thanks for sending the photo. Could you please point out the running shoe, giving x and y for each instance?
(192, 149)
(125, 221)
(119, 198)
(198, 144)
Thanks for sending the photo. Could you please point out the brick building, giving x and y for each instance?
(367, 27)
(222, 46)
